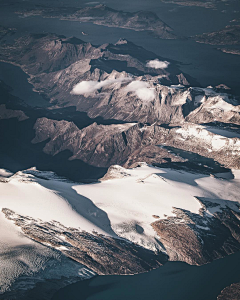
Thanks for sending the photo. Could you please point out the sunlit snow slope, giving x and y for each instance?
(123, 203)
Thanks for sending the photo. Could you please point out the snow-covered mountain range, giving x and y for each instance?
(129, 165)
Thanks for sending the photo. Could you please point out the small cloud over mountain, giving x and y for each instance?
(87, 87)
(157, 64)
(142, 90)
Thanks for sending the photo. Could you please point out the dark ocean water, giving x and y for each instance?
(173, 281)
(14, 77)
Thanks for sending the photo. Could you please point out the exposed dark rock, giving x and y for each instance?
(231, 292)
(40, 53)
(198, 3)
(153, 155)
(230, 51)
(126, 144)
(79, 152)
(101, 254)
(56, 64)
(97, 145)
(230, 35)
(199, 239)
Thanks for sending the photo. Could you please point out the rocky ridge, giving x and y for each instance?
(195, 238)
(231, 292)
(230, 51)
(106, 16)
(103, 255)
(126, 144)
(116, 82)
(198, 3)
(230, 35)
(145, 105)
(199, 239)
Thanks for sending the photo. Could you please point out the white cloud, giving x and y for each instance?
(157, 64)
(87, 87)
(142, 90)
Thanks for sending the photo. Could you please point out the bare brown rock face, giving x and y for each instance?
(102, 254)
(40, 53)
(137, 107)
(199, 239)
(231, 292)
(126, 144)
(152, 155)
(56, 64)
(121, 104)
(117, 81)
(98, 145)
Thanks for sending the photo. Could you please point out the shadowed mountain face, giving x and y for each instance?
(52, 143)
(17, 153)
(101, 254)
(188, 232)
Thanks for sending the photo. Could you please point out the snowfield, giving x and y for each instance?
(213, 138)
(44, 199)
(124, 203)
(131, 202)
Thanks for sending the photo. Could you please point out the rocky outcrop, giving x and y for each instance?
(230, 35)
(153, 155)
(101, 254)
(126, 144)
(217, 107)
(116, 82)
(230, 51)
(106, 16)
(116, 85)
(231, 292)
(197, 138)
(199, 239)
(46, 53)
(98, 145)
(41, 53)
(56, 64)
(6, 113)
(198, 3)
